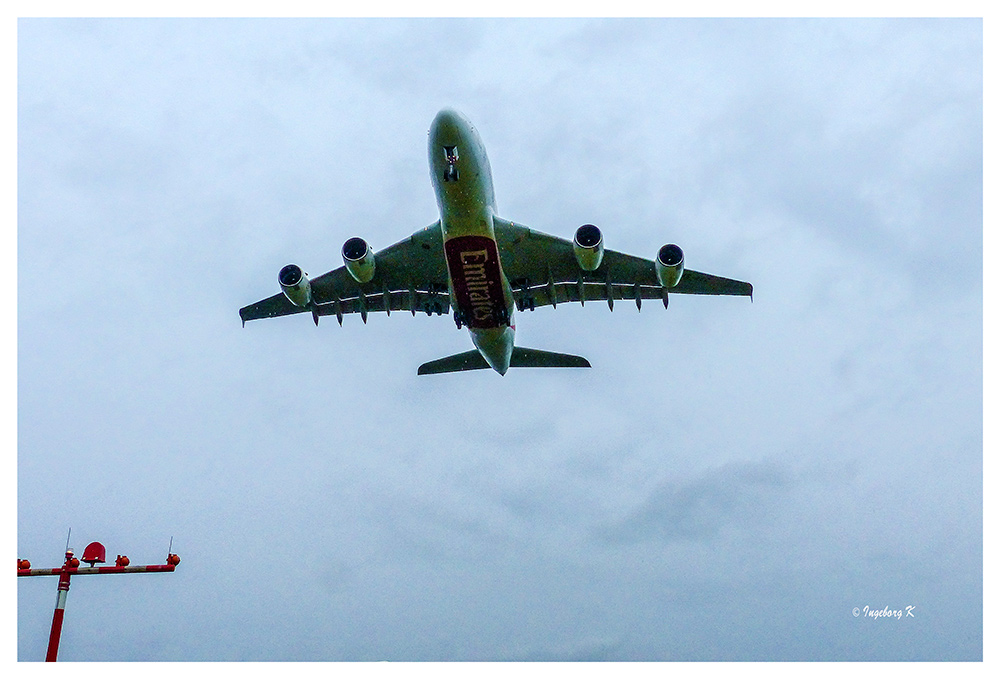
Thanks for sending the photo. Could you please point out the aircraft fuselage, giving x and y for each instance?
(463, 184)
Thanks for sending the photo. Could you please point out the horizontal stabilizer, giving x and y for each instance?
(468, 360)
(536, 358)
(520, 358)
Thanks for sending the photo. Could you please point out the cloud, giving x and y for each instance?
(699, 509)
(584, 650)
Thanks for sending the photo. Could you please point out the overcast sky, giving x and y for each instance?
(730, 481)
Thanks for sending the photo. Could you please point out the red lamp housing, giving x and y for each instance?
(94, 553)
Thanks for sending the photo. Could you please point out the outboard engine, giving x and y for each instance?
(295, 285)
(669, 265)
(359, 259)
(588, 246)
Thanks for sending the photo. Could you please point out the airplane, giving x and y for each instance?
(482, 267)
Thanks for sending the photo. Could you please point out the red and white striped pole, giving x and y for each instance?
(93, 554)
(57, 616)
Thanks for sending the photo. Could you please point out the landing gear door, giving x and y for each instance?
(451, 159)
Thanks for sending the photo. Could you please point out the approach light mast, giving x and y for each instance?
(93, 554)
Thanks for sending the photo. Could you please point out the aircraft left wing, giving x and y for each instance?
(410, 275)
(543, 269)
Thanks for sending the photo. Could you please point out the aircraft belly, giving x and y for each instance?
(476, 280)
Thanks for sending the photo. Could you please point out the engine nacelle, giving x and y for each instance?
(669, 265)
(295, 285)
(588, 246)
(359, 259)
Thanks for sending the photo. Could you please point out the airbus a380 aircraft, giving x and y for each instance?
(481, 266)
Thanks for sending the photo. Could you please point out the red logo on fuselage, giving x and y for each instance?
(474, 266)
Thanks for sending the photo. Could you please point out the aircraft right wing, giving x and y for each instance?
(543, 269)
(410, 275)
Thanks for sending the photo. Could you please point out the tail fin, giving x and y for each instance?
(520, 358)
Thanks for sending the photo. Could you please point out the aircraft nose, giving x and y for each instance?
(447, 127)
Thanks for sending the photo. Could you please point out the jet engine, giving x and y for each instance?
(295, 285)
(588, 246)
(669, 265)
(359, 259)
